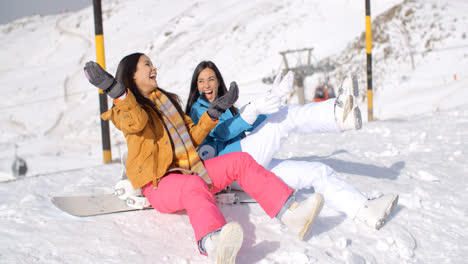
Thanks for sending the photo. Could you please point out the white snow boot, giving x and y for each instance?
(300, 216)
(224, 245)
(134, 198)
(347, 113)
(374, 213)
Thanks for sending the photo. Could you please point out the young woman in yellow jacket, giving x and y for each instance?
(163, 162)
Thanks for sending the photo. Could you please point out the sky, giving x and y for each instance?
(417, 147)
(11, 10)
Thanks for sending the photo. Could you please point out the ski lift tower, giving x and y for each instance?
(302, 69)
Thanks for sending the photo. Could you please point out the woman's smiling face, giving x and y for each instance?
(208, 84)
(145, 76)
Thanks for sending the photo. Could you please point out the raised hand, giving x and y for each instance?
(220, 104)
(98, 77)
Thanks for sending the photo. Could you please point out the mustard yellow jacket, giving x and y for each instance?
(150, 151)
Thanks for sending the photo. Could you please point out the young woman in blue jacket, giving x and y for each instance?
(269, 124)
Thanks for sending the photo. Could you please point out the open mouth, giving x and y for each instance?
(209, 95)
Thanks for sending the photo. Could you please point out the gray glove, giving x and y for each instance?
(220, 104)
(103, 80)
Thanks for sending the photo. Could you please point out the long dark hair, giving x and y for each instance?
(125, 72)
(194, 93)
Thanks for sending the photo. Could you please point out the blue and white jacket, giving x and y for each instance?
(225, 137)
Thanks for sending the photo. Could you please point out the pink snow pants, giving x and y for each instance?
(190, 192)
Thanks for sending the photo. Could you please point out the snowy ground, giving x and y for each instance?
(417, 147)
(427, 167)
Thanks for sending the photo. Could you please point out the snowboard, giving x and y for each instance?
(90, 205)
(233, 197)
(100, 204)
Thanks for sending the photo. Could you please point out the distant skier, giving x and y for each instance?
(162, 159)
(269, 126)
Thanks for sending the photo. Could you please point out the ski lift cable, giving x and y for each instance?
(6, 107)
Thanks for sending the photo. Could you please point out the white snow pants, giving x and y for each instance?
(338, 194)
(265, 141)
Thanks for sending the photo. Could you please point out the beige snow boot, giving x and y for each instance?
(347, 113)
(374, 213)
(300, 216)
(224, 245)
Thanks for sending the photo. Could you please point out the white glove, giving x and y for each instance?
(262, 106)
(283, 87)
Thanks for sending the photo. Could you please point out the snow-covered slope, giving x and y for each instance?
(416, 148)
(419, 57)
(427, 167)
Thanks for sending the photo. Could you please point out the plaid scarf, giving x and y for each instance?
(186, 157)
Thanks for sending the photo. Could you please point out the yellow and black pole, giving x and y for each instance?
(101, 60)
(370, 106)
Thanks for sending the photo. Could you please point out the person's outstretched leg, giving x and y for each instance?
(338, 194)
(265, 140)
(177, 192)
(267, 189)
(273, 195)
(331, 116)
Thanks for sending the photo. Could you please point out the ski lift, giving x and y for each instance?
(301, 60)
(19, 167)
(323, 93)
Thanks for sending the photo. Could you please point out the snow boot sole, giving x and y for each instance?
(229, 242)
(318, 204)
(388, 211)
